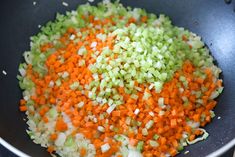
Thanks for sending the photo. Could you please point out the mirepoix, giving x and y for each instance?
(110, 80)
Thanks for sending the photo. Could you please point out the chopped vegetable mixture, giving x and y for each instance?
(107, 81)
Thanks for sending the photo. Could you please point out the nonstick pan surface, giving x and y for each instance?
(213, 20)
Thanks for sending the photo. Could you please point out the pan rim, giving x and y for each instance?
(216, 153)
(223, 149)
(12, 148)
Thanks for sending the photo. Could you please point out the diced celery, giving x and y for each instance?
(139, 146)
(153, 143)
(212, 114)
(52, 113)
(149, 124)
(69, 141)
(156, 136)
(144, 132)
(74, 86)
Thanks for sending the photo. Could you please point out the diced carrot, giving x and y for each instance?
(53, 136)
(61, 125)
(83, 152)
(23, 108)
(50, 149)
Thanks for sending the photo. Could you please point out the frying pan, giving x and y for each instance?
(214, 20)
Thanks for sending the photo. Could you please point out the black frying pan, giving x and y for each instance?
(214, 20)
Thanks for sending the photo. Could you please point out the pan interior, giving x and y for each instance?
(214, 21)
